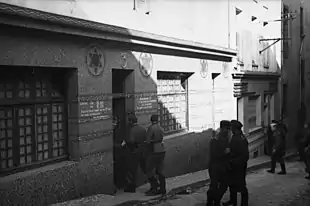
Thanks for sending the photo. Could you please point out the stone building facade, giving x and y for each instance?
(296, 51)
(69, 67)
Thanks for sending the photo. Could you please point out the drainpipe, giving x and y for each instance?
(228, 23)
(300, 65)
(214, 75)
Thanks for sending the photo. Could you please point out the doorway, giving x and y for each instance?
(121, 84)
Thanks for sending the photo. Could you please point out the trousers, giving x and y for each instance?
(155, 167)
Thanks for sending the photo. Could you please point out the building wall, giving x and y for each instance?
(291, 64)
(190, 20)
(90, 166)
(90, 150)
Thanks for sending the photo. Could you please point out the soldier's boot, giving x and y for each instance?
(245, 197)
(162, 184)
(273, 167)
(283, 169)
(232, 198)
(210, 198)
(153, 185)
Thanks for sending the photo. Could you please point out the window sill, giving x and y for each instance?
(33, 167)
(34, 172)
(254, 130)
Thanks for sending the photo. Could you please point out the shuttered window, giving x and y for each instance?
(32, 117)
(172, 101)
(252, 111)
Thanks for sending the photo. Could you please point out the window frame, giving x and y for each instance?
(33, 103)
(183, 77)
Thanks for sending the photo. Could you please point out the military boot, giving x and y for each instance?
(283, 169)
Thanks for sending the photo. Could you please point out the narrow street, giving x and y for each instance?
(264, 188)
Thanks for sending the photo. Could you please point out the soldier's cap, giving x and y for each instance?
(132, 118)
(224, 123)
(236, 124)
(154, 118)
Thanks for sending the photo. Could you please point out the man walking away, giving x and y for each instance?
(155, 161)
(239, 153)
(278, 149)
(137, 136)
(306, 148)
(218, 163)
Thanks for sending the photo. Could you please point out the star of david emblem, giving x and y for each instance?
(204, 68)
(146, 64)
(95, 61)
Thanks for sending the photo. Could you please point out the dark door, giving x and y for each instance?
(120, 131)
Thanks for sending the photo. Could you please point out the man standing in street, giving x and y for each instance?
(239, 156)
(135, 144)
(278, 151)
(155, 160)
(218, 163)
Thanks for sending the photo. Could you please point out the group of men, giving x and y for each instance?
(145, 150)
(229, 155)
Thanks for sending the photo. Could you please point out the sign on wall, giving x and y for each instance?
(95, 60)
(146, 104)
(146, 64)
(204, 68)
(95, 110)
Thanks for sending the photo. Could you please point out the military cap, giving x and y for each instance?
(132, 118)
(224, 123)
(154, 118)
(236, 124)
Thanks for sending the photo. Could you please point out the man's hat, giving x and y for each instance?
(224, 123)
(132, 118)
(154, 118)
(236, 124)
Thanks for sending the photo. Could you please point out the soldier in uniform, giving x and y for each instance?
(218, 163)
(239, 156)
(306, 148)
(278, 151)
(135, 144)
(155, 160)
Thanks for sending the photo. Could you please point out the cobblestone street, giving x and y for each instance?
(264, 188)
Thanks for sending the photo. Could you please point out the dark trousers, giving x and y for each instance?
(132, 165)
(277, 157)
(212, 193)
(301, 152)
(155, 167)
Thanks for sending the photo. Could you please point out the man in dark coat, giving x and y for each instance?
(135, 144)
(155, 159)
(239, 156)
(306, 148)
(219, 160)
(279, 147)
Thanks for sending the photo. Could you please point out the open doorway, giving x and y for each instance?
(121, 84)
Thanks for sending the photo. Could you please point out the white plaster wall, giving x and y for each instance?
(196, 20)
(252, 29)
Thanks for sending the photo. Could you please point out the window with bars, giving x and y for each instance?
(172, 101)
(32, 118)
